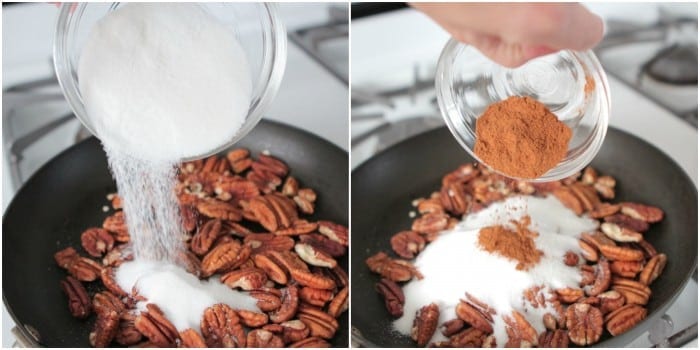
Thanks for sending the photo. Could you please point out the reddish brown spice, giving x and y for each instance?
(518, 244)
(521, 138)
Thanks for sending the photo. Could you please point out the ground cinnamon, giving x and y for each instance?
(518, 244)
(520, 137)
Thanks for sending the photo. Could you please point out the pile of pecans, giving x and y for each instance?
(244, 222)
(617, 264)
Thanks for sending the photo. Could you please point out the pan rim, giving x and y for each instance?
(20, 326)
(633, 333)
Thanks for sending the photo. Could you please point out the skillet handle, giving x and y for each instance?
(21, 340)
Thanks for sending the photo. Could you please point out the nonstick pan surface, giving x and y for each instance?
(66, 196)
(384, 186)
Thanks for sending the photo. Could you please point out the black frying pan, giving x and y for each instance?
(384, 186)
(66, 195)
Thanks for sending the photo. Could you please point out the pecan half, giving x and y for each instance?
(84, 269)
(219, 210)
(96, 241)
(127, 333)
(190, 216)
(324, 244)
(298, 227)
(431, 224)
(191, 339)
(311, 342)
(190, 262)
(314, 257)
(106, 302)
(393, 296)
(474, 316)
(394, 269)
(425, 324)
(653, 269)
(624, 318)
(118, 255)
(620, 234)
(626, 268)
(290, 187)
(610, 301)
(407, 244)
(268, 299)
(294, 330)
(252, 319)
(335, 232)
(271, 164)
(468, 338)
(569, 295)
(290, 303)
(305, 200)
(203, 240)
(261, 242)
(78, 300)
(588, 251)
(603, 210)
(554, 339)
(224, 257)
(221, 327)
(567, 197)
(462, 175)
(340, 303)
(105, 329)
(633, 291)
(642, 212)
(320, 323)
(602, 279)
(65, 257)
(239, 160)
(585, 324)
(309, 279)
(260, 338)
(613, 252)
(520, 331)
(154, 326)
(234, 189)
(246, 279)
(313, 296)
(605, 186)
(451, 327)
(628, 222)
(116, 224)
(271, 268)
(454, 199)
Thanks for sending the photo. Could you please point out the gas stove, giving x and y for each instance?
(38, 123)
(648, 66)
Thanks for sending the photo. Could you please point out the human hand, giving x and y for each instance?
(511, 34)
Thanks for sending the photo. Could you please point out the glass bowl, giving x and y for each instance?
(571, 84)
(256, 26)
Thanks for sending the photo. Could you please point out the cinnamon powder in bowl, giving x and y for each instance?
(520, 137)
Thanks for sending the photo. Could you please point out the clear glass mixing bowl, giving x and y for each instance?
(571, 84)
(256, 26)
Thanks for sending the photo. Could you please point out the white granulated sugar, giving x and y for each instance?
(147, 190)
(182, 296)
(164, 81)
(454, 264)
